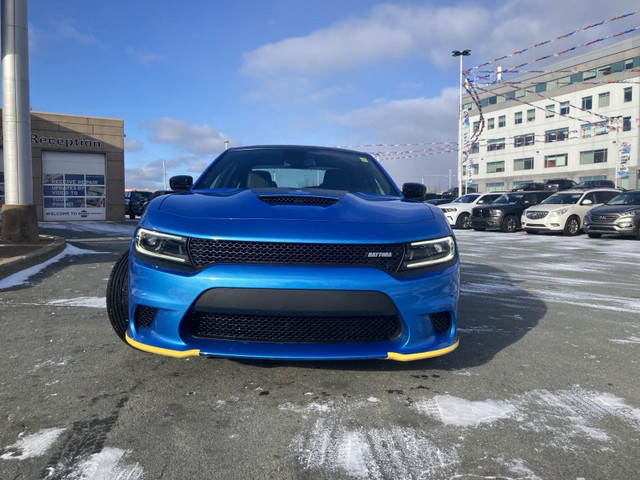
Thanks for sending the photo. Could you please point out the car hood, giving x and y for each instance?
(551, 207)
(272, 215)
(604, 209)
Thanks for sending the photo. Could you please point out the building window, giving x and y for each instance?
(551, 161)
(475, 148)
(557, 135)
(531, 115)
(628, 94)
(491, 123)
(603, 100)
(495, 144)
(517, 118)
(475, 168)
(476, 126)
(589, 130)
(502, 121)
(587, 103)
(495, 167)
(564, 108)
(548, 111)
(523, 163)
(523, 140)
(626, 124)
(495, 187)
(593, 156)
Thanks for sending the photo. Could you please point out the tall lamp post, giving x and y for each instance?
(460, 54)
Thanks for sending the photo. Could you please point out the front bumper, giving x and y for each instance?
(620, 227)
(173, 297)
(488, 223)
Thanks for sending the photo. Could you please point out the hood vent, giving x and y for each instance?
(298, 200)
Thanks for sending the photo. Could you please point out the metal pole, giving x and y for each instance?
(19, 220)
(460, 54)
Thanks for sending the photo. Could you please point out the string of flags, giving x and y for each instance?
(562, 37)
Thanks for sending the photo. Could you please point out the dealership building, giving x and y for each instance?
(77, 167)
(578, 120)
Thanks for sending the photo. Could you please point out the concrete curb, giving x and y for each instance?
(48, 248)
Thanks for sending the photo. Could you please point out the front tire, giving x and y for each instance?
(509, 224)
(463, 221)
(118, 296)
(572, 227)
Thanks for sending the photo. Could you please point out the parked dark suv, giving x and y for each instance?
(596, 184)
(619, 216)
(505, 212)
(133, 202)
(557, 184)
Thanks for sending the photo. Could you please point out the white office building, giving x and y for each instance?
(579, 120)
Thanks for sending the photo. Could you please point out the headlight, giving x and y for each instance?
(557, 213)
(630, 213)
(429, 252)
(162, 245)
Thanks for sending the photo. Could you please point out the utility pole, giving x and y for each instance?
(460, 54)
(19, 217)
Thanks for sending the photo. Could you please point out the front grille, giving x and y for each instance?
(603, 218)
(536, 215)
(144, 316)
(297, 200)
(441, 321)
(293, 329)
(480, 212)
(210, 252)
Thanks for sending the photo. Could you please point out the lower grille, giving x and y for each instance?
(144, 316)
(293, 329)
(441, 321)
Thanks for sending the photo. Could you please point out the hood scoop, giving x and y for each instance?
(298, 200)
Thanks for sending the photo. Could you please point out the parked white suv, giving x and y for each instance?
(564, 211)
(459, 211)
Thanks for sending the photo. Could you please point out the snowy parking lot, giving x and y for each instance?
(543, 386)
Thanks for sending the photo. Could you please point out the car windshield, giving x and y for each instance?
(509, 198)
(465, 199)
(627, 198)
(563, 199)
(296, 167)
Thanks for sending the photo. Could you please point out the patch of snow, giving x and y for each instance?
(34, 445)
(465, 413)
(102, 228)
(22, 277)
(632, 340)
(91, 302)
(105, 465)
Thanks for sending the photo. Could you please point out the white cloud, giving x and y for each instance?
(65, 28)
(196, 139)
(404, 121)
(391, 32)
(146, 58)
(132, 145)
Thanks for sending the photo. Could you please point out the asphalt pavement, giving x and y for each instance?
(543, 386)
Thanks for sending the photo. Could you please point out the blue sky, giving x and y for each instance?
(186, 76)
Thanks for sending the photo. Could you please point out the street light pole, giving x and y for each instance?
(460, 54)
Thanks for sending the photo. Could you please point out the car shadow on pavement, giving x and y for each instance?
(493, 314)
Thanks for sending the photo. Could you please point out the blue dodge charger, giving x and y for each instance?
(289, 252)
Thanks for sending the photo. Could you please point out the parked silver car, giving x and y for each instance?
(564, 211)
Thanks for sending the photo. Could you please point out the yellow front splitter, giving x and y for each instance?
(162, 351)
(399, 357)
(410, 357)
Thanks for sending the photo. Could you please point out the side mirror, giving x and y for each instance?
(586, 201)
(181, 183)
(414, 192)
